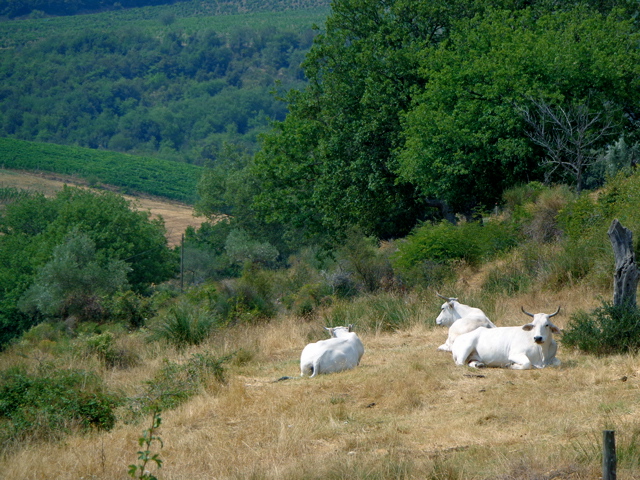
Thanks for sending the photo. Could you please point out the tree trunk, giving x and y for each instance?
(625, 279)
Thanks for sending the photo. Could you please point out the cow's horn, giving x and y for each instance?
(441, 296)
(556, 312)
(525, 312)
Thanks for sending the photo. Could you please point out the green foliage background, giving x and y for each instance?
(174, 81)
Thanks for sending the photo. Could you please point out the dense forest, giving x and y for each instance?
(36, 8)
(175, 86)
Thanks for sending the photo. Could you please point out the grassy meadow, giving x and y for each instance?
(407, 412)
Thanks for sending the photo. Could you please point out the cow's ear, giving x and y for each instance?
(351, 327)
(527, 327)
(554, 329)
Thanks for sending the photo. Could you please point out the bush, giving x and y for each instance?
(103, 345)
(308, 298)
(51, 403)
(247, 299)
(175, 383)
(428, 254)
(130, 307)
(442, 242)
(515, 198)
(541, 219)
(364, 262)
(607, 330)
(506, 281)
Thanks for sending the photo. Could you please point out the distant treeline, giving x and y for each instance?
(177, 95)
(132, 174)
(19, 8)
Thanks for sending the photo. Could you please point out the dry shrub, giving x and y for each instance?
(542, 225)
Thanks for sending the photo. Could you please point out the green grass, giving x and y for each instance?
(133, 174)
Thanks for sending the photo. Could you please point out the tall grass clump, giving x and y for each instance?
(384, 312)
(609, 329)
(183, 325)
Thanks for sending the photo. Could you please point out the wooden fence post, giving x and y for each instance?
(625, 280)
(608, 455)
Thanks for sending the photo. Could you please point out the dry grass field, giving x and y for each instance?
(177, 216)
(407, 412)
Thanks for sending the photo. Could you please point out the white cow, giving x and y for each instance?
(341, 352)
(460, 319)
(521, 348)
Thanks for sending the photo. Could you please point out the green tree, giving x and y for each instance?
(74, 282)
(130, 247)
(465, 137)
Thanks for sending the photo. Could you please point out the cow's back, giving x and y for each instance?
(331, 355)
(491, 346)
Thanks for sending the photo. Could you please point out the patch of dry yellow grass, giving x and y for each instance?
(406, 412)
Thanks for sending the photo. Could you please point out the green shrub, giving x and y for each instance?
(308, 298)
(130, 307)
(248, 298)
(51, 403)
(175, 383)
(520, 195)
(438, 243)
(609, 329)
(104, 347)
(427, 256)
(541, 223)
(363, 261)
(506, 281)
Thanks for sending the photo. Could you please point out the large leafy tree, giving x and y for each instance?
(465, 136)
(410, 106)
(330, 163)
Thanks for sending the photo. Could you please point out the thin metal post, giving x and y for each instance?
(182, 263)
(608, 455)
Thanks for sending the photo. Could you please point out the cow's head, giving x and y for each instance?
(447, 312)
(337, 332)
(541, 326)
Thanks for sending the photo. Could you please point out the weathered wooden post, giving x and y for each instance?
(625, 280)
(608, 455)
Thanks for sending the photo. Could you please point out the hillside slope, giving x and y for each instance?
(407, 412)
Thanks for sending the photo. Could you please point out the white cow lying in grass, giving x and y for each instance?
(521, 348)
(460, 319)
(341, 352)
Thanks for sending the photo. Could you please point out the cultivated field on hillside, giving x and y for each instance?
(177, 216)
(407, 412)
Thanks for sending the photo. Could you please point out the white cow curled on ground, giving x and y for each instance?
(521, 348)
(460, 319)
(342, 351)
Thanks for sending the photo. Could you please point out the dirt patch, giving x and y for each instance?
(177, 216)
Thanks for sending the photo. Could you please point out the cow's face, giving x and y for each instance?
(447, 316)
(541, 328)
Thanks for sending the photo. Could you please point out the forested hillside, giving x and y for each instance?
(37, 8)
(174, 81)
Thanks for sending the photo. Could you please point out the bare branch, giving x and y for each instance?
(568, 134)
